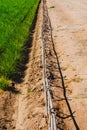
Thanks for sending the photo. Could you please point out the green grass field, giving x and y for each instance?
(16, 17)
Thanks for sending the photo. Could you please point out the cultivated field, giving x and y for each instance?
(15, 20)
(43, 65)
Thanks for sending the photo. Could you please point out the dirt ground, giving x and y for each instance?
(69, 29)
(65, 36)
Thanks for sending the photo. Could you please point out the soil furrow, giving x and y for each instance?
(25, 110)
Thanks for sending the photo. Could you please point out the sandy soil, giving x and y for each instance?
(69, 24)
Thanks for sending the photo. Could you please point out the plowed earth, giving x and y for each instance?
(65, 39)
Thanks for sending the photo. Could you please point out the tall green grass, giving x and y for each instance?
(16, 17)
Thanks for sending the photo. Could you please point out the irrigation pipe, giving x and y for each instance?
(50, 112)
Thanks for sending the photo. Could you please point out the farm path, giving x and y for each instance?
(69, 29)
